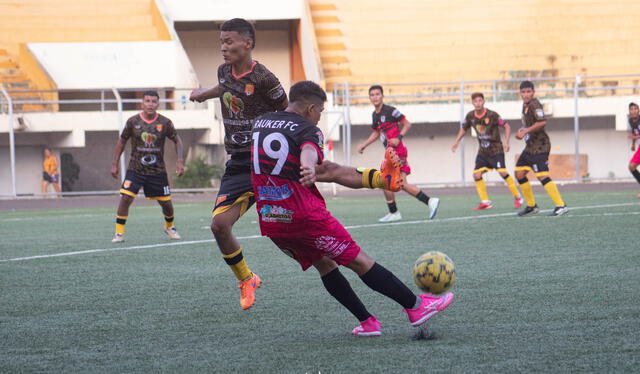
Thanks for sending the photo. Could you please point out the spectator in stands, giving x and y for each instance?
(50, 174)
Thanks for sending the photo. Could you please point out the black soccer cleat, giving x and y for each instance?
(529, 210)
(558, 211)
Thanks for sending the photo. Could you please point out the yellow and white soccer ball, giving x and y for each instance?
(434, 272)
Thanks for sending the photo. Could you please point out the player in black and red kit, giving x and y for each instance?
(287, 148)
(247, 90)
(634, 128)
(389, 125)
(147, 131)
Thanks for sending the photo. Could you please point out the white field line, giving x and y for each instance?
(450, 219)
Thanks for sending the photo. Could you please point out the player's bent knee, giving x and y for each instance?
(633, 167)
(325, 266)
(220, 226)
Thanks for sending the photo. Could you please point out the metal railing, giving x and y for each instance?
(348, 95)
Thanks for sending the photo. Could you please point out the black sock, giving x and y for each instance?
(422, 197)
(339, 287)
(392, 207)
(636, 174)
(379, 279)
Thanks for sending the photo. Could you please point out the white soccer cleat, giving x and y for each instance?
(117, 238)
(172, 232)
(434, 202)
(390, 217)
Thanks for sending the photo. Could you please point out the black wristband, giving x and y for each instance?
(400, 137)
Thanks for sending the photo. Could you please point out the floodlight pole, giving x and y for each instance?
(12, 141)
(462, 169)
(120, 127)
(576, 124)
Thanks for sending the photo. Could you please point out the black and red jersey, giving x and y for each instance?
(244, 98)
(387, 121)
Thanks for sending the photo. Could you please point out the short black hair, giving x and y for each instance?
(632, 104)
(307, 91)
(527, 84)
(151, 93)
(242, 27)
(477, 94)
(376, 87)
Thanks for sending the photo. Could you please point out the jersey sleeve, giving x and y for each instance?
(272, 92)
(374, 125)
(499, 120)
(171, 131)
(313, 136)
(128, 129)
(538, 111)
(466, 125)
(396, 115)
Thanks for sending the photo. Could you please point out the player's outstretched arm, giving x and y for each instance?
(203, 94)
(375, 135)
(180, 155)
(116, 157)
(459, 137)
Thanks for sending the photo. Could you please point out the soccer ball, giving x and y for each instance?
(434, 272)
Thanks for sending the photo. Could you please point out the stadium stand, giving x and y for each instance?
(42, 21)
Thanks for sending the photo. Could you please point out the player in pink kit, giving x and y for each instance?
(634, 128)
(287, 146)
(390, 126)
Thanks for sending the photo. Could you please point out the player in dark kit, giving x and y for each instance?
(287, 146)
(247, 90)
(487, 124)
(634, 135)
(147, 131)
(389, 125)
(535, 156)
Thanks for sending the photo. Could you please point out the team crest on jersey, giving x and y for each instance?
(148, 139)
(159, 128)
(271, 192)
(248, 89)
(486, 121)
(234, 104)
(382, 118)
(274, 213)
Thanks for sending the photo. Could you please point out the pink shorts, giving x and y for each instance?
(402, 153)
(636, 157)
(334, 242)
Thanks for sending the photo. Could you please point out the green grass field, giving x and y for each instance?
(535, 294)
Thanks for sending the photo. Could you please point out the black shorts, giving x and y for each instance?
(51, 178)
(156, 187)
(486, 163)
(235, 185)
(537, 162)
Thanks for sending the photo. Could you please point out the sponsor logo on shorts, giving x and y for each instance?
(331, 246)
(221, 199)
(127, 183)
(274, 213)
(273, 192)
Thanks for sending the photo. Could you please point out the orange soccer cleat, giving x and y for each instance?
(390, 170)
(248, 290)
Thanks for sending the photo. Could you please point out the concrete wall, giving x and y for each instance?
(203, 49)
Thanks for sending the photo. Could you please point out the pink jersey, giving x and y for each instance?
(285, 207)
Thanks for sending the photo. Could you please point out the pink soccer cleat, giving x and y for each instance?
(370, 327)
(430, 306)
(517, 202)
(484, 205)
